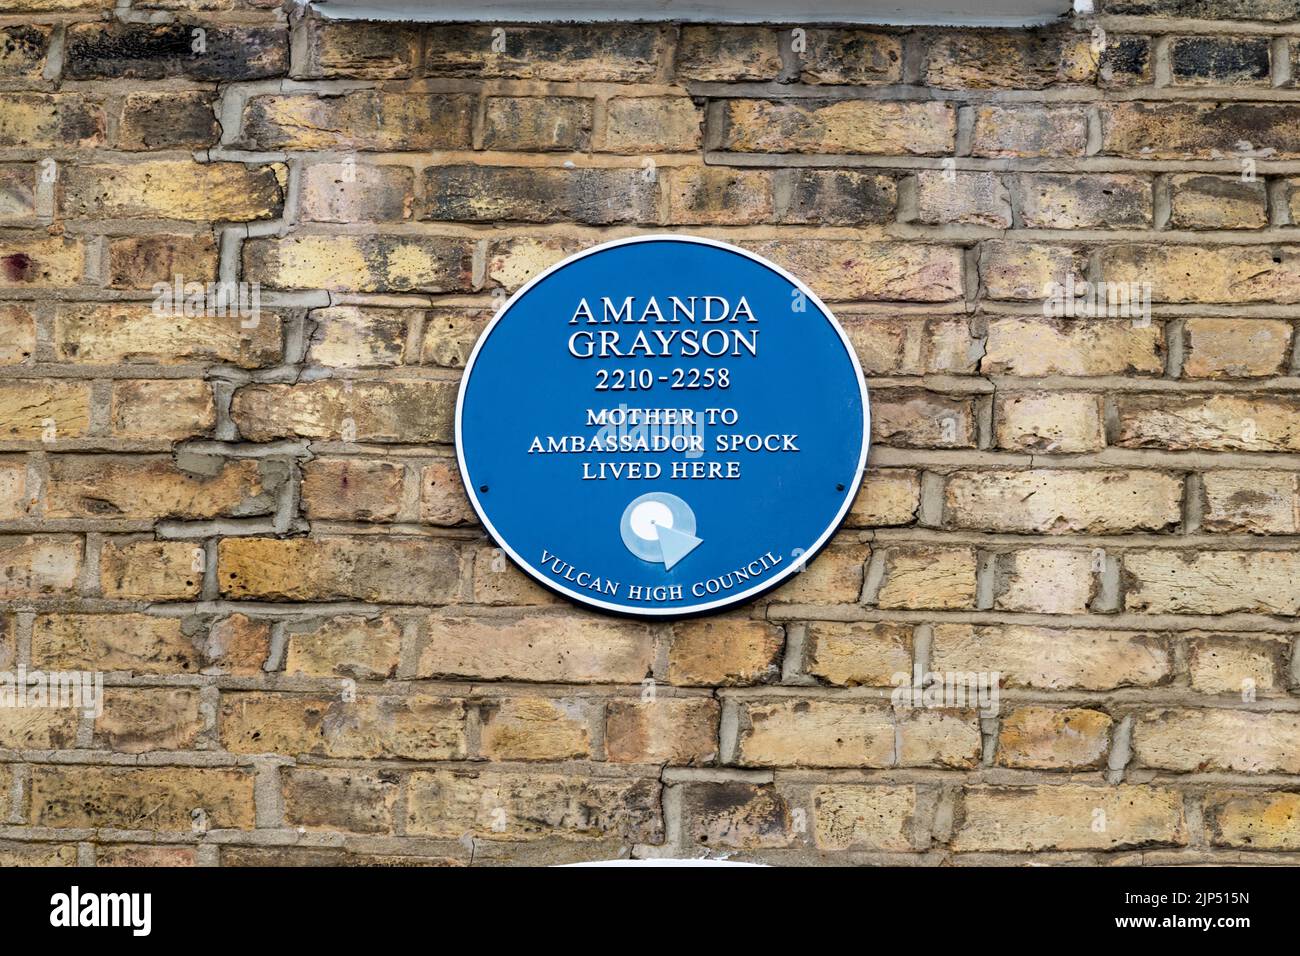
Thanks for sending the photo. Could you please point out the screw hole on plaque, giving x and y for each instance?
(483, 488)
(839, 487)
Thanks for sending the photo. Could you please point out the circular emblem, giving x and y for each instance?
(662, 426)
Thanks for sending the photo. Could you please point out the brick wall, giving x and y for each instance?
(314, 654)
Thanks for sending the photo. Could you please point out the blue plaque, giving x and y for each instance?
(662, 426)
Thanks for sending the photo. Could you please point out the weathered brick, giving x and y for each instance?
(1237, 348)
(849, 655)
(162, 410)
(343, 49)
(864, 127)
(348, 489)
(849, 817)
(35, 262)
(137, 262)
(142, 719)
(141, 798)
(348, 336)
(535, 728)
(1045, 501)
(1017, 270)
(16, 499)
(382, 570)
(652, 124)
(37, 854)
(728, 53)
(1044, 738)
(345, 646)
(145, 570)
(1291, 195)
(98, 486)
(351, 192)
(834, 576)
(1198, 130)
(1217, 202)
(939, 738)
(1045, 581)
(1256, 502)
(512, 262)
(1126, 61)
(369, 263)
(498, 581)
(300, 855)
(39, 565)
(1029, 132)
(39, 728)
(18, 194)
(535, 123)
(450, 334)
(237, 644)
(177, 119)
(847, 270)
(110, 333)
(356, 801)
(1051, 659)
(1220, 60)
(736, 815)
(815, 733)
(114, 642)
(499, 806)
(1031, 347)
(621, 53)
(442, 496)
(1062, 422)
(596, 196)
(1009, 59)
(153, 51)
(1267, 10)
(1069, 817)
(23, 51)
(174, 189)
(681, 731)
(719, 194)
(17, 335)
(888, 496)
(538, 647)
(1253, 820)
(408, 726)
(912, 346)
(365, 120)
(1068, 201)
(52, 120)
(414, 411)
(833, 197)
(724, 651)
(1187, 740)
(907, 418)
(970, 198)
(1212, 582)
(141, 855)
(1211, 422)
(859, 57)
(923, 576)
(43, 411)
(1240, 664)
